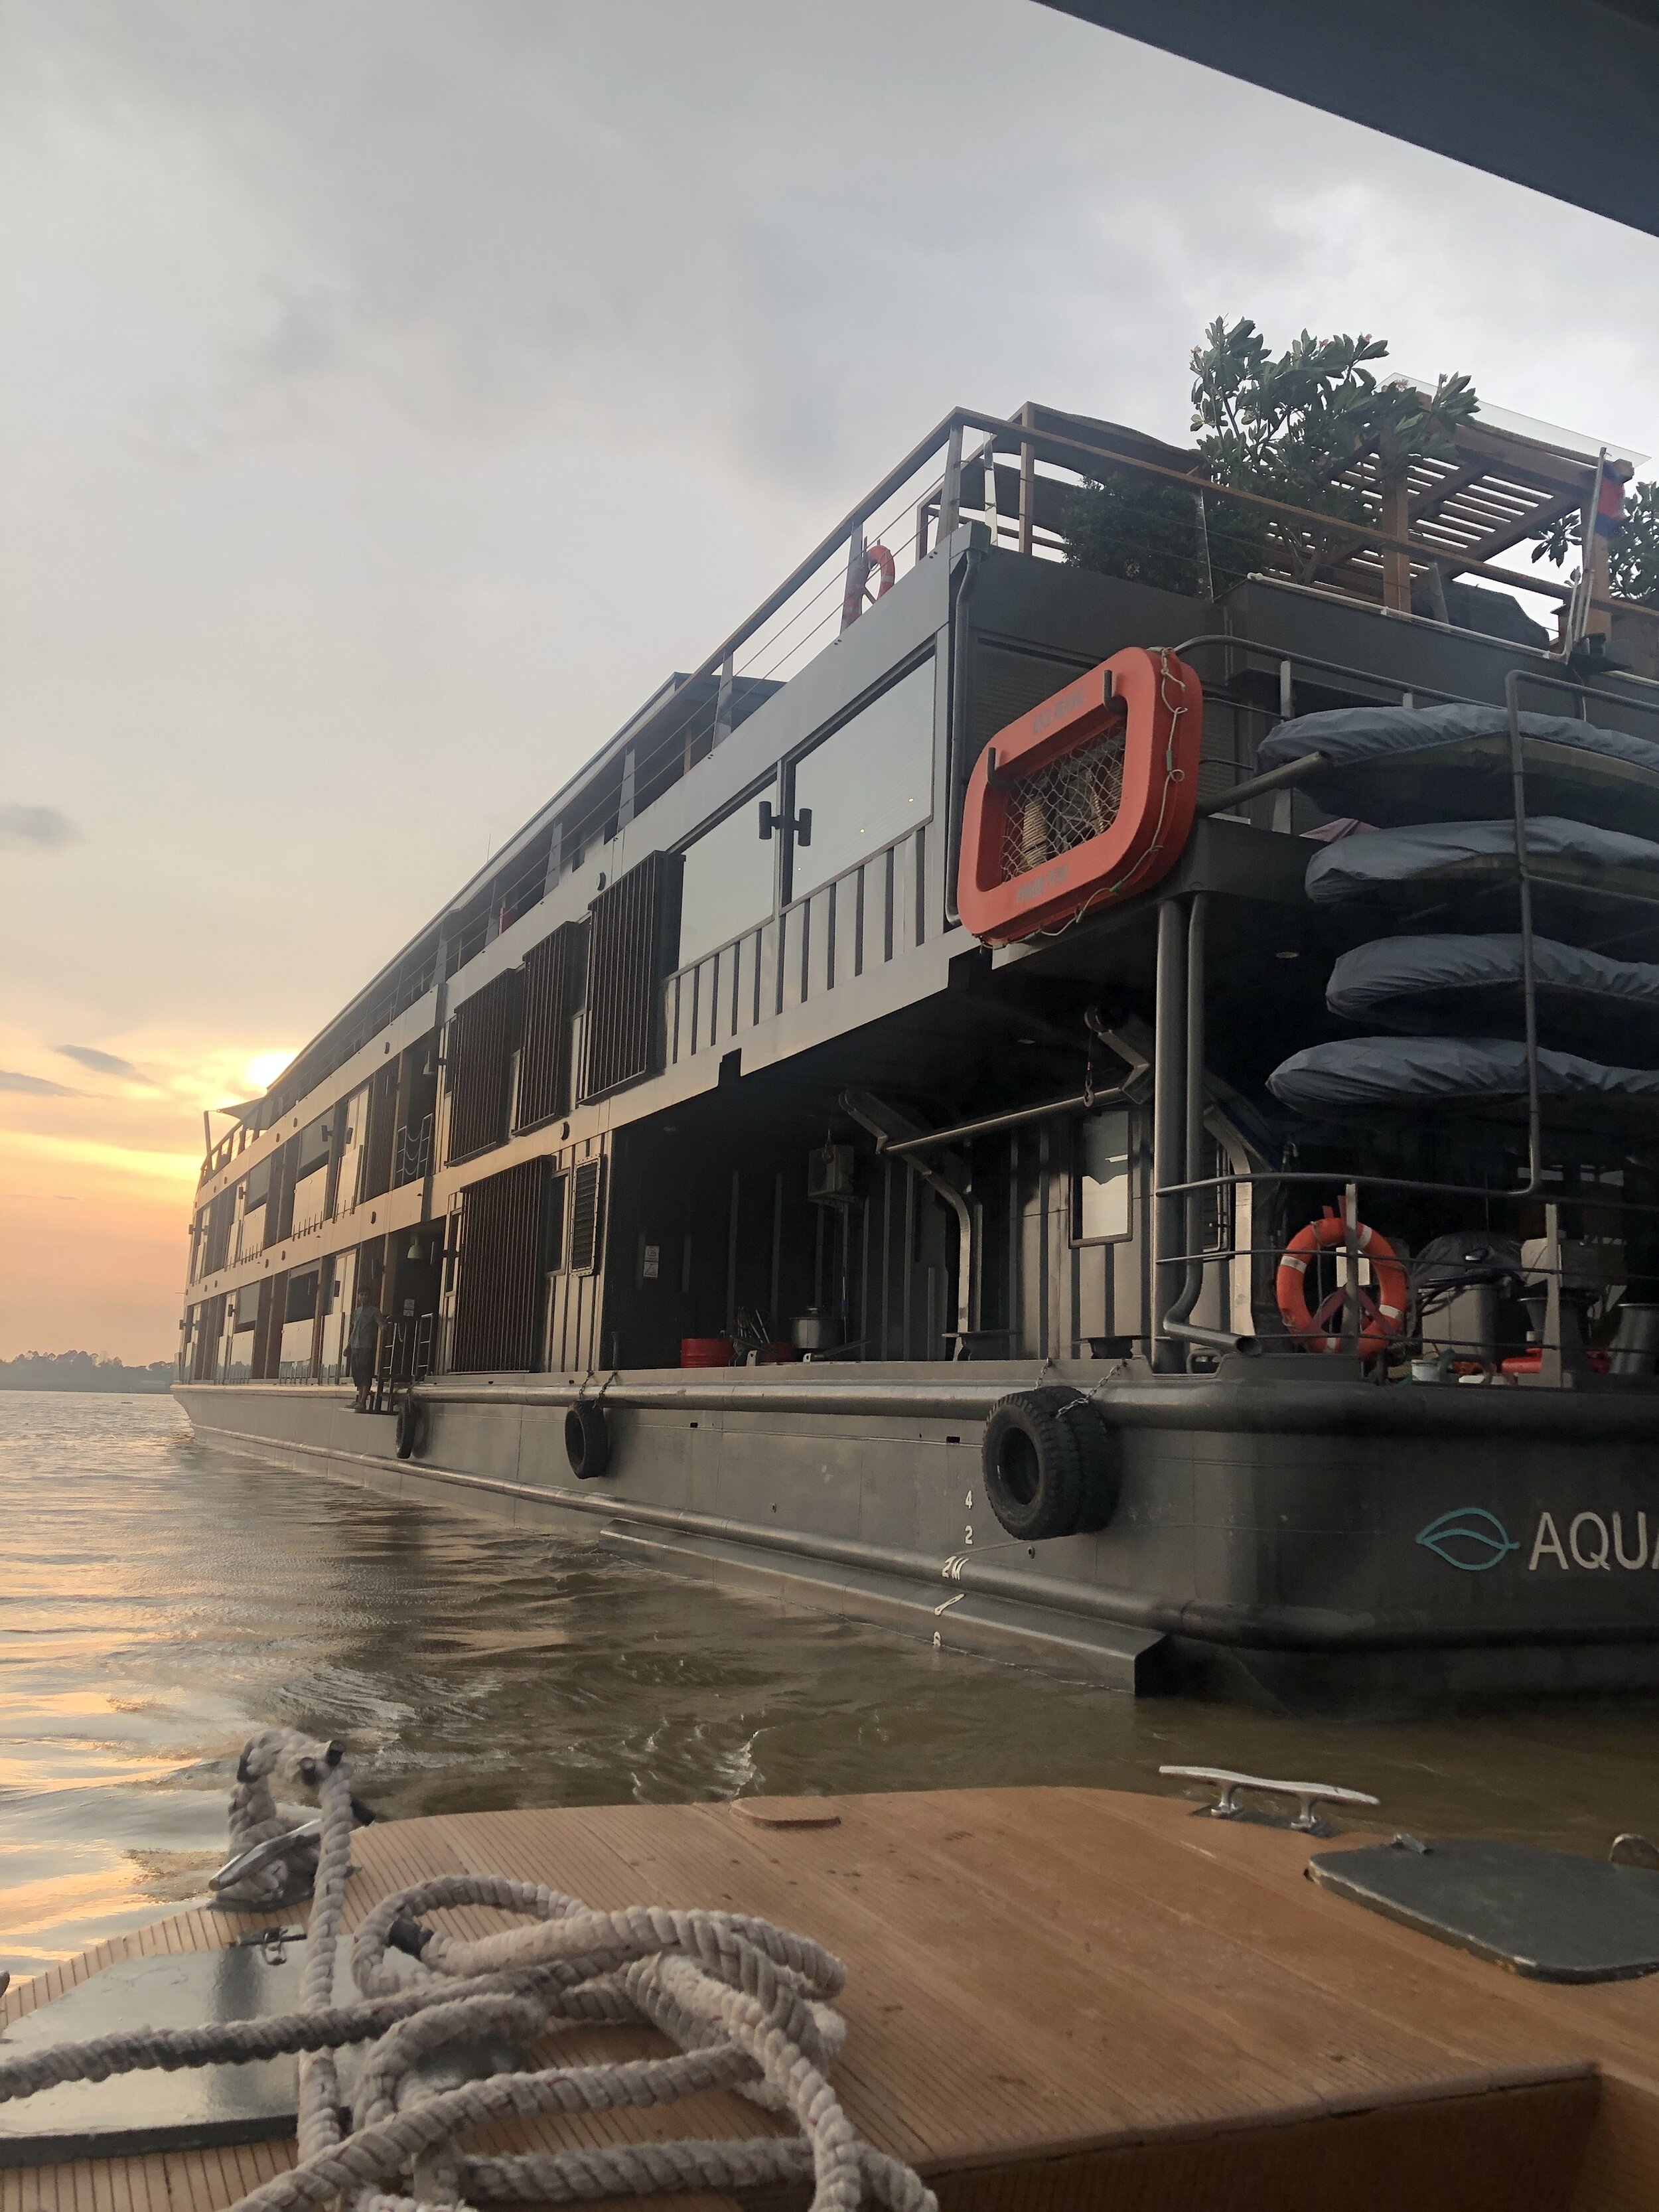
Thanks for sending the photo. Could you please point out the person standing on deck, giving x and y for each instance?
(367, 1322)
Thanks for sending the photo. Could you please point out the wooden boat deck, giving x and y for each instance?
(1056, 1997)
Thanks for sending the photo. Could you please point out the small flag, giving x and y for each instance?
(1610, 507)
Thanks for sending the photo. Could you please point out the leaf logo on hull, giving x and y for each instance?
(1469, 1538)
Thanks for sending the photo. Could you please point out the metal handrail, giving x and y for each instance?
(1018, 433)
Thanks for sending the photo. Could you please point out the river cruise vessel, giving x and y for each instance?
(1103, 1115)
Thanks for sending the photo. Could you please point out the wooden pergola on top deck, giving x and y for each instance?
(1503, 486)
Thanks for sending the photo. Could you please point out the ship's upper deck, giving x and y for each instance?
(834, 631)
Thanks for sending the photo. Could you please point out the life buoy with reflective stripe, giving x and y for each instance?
(876, 557)
(1381, 1309)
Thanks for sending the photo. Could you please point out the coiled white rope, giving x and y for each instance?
(745, 2001)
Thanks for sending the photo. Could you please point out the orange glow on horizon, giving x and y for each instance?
(97, 1172)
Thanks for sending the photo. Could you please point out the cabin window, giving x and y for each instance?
(1100, 1187)
(310, 1201)
(728, 886)
(336, 1300)
(243, 1319)
(355, 1113)
(315, 1141)
(295, 1362)
(866, 784)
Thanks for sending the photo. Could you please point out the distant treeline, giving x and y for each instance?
(81, 1370)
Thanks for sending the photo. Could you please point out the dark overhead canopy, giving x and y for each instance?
(1559, 94)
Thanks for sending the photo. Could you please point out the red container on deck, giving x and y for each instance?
(1532, 1363)
(705, 1351)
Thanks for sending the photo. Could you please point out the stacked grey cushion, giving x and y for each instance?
(1392, 765)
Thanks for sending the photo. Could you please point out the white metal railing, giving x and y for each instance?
(873, 913)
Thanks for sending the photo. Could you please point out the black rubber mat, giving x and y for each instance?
(1549, 1915)
(153, 2110)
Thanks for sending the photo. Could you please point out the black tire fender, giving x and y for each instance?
(412, 1424)
(1101, 1448)
(1048, 1464)
(586, 1440)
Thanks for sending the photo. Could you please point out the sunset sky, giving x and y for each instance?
(392, 391)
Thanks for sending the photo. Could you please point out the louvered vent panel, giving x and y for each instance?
(209, 1328)
(268, 1326)
(1003, 683)
(587, 1196)
(480, 1058)
(279, 1219)
(632, 934)
(552, 995)
(498, 1288)
(378, 1133)
(221, 1215)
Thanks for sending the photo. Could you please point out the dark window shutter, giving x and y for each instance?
(220, 1214)
(480, 1058)
(210, 1330)
(498, 1288)
(552, 995)
(268, 1328)
(558, 1197)
(279, 1222)
(633, 933)
(586, 1193)
(379, 1131)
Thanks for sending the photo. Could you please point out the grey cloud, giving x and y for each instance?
(795, 233)
(100, 1063)
(494, 353)
(34, 1086)
(38, 828)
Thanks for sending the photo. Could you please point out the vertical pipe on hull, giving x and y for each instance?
(1169, 1130)
(1192, 1210)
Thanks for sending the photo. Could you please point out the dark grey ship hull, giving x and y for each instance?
(1323, 1545)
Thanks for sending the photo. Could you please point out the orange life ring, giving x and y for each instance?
(858, 582)
(1383, 1311)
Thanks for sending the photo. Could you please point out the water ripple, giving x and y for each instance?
(159, 1600)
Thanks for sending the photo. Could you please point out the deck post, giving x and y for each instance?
(1027, 484)
(1351, 1310)
(1201, 540)
(440, 1015)
(1581, 620)
(1549, 1354)
(1169, 1130)
(625, 802)
(722, 711)
(1397, 566)
(949, 497)
(858, 570)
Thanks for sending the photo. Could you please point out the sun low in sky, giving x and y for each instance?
(262, 1071)
(99, 1161)
(391, 395)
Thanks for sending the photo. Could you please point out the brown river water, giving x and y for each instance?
(159, 1600)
